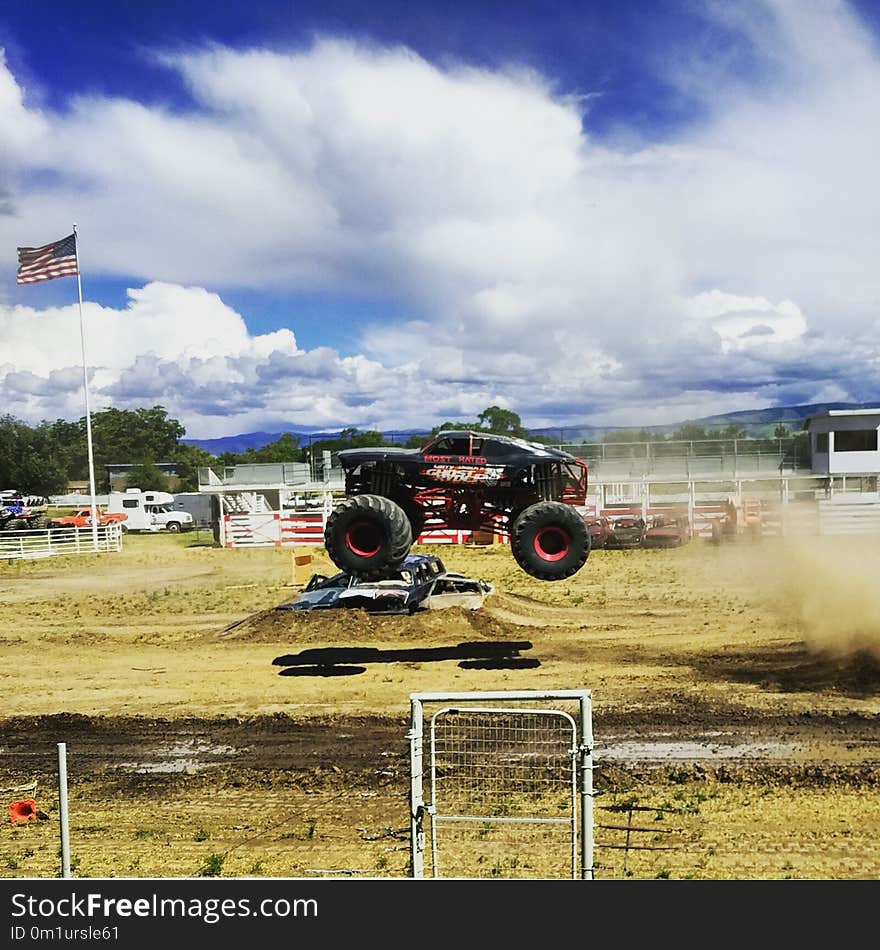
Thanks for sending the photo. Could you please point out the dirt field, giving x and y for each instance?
(735, 689)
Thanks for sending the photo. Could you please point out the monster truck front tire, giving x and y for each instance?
(368, 536)
(550, 541)
(416, 515)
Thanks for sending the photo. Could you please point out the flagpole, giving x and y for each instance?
(82, 339)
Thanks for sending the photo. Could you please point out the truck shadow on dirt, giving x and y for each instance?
(796, 669)
(348, 661)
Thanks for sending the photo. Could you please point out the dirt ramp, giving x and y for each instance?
(453, 624)
(524, 611)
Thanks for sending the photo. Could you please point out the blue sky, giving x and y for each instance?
(394, 214)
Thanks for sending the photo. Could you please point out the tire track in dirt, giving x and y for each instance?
(148, 753)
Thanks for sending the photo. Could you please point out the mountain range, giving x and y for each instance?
(758, 423)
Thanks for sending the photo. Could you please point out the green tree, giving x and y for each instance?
(67, 445)
(348, 439)
(691, 432)
(133, 437)
(781, 432)
(501, 421)
(147, 477)
(189, 459)
(139, 435)
(229, 458)
(44, 458)
(492, 419)
(26, 462)
(285, 448)
(452, 426)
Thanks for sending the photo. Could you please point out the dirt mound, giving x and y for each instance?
(525, 611)
(346, 626)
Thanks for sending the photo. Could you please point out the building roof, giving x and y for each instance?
(827, 413)
(127, 466)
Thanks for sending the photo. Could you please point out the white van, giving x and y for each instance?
(149, 511)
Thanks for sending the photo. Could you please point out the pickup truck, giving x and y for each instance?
(82, 518)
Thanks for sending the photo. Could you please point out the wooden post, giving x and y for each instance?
(298, 559)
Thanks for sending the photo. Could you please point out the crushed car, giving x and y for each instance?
(599, 529)
(667, 531)
(420, 583)
(627, 531)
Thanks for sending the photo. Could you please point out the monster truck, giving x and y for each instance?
(461, 480)
(22, 512)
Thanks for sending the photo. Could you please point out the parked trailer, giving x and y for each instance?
(149, 511)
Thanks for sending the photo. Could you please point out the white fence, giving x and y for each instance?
(791, 504)
(850, 514)
(54, 542)
(289, 529)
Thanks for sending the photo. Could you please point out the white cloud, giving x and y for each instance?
(168, 343)
(743, 322)
(733, 265)
(24, 130)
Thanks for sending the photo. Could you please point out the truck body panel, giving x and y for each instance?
(82, 518)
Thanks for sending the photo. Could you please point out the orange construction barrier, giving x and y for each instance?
(22, 811)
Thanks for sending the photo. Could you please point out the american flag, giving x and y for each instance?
(47, 262)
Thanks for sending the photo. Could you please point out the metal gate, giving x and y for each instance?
(502, 785)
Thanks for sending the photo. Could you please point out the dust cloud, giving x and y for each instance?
(828, 588)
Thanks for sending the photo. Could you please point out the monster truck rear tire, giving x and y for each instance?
(368, 536)
(550, 541)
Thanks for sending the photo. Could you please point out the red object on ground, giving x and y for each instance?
(22, 811)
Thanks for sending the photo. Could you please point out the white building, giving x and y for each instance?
(844, 441)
